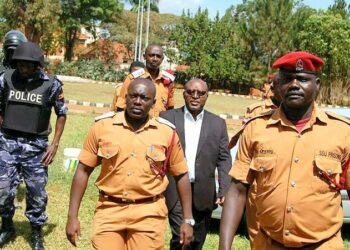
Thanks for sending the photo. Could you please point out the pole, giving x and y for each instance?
(141, 26)
(148, 13)
(137, 32)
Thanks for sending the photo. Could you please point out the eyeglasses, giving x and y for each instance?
(194, 93)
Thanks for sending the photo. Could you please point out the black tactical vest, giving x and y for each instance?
(26, 105)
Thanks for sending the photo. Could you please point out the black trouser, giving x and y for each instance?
(199, 230)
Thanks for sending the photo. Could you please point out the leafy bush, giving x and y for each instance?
(90, 69)
(1, 55)
(65, 68)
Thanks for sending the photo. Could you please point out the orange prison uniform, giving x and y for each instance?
(116, 95)
(295, 206)
(252, 221)
(125, 156)
(164, 93)
(259, 108)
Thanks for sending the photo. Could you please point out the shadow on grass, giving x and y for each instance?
(23, 229)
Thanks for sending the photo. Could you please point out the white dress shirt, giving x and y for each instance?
(192, 132)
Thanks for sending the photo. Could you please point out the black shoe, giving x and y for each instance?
(37, 238)
(7, 232)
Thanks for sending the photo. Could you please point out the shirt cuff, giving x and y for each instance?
(89, 159)
(240, 172)
(178, 169)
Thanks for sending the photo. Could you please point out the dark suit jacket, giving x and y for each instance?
(212, 153)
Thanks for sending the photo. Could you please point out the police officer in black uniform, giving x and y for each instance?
(12, 39)
(27, 96)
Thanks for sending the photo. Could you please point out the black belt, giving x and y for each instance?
(280, 245)
(104, 196)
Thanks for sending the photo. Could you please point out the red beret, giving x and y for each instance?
(299, 61)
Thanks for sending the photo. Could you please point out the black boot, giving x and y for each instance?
(7, 232)
(37, 238)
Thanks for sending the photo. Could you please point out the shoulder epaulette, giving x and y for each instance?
(138, 73)
(236, 136)
(168, 75)
(166, 122)
(104, 116)
(118, 85)
(338, 117)
(253, 106)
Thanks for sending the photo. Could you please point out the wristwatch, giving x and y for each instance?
(191, 222)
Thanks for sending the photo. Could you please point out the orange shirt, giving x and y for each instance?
(116, 95)
(295, 206)
(259, 108)
(125, 156)
(164, 93)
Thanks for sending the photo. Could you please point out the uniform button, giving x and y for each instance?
(261, 169)
(107, 155)
(287, 232)
(129, 173)
(330, 171)
(125, 194)
(296, 160)
(289, 209)
(293, 184)
(132, 154)
(299, 135)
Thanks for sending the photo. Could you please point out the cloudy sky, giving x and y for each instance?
(176, 6)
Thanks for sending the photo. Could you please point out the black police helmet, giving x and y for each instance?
(13, 38)
(29, 51)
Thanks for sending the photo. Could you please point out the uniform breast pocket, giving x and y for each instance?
(155, 157)
(108, 154)
(330, 167)
(264, 168)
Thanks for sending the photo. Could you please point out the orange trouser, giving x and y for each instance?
(129, 226)
(252, 221)
(263, 242)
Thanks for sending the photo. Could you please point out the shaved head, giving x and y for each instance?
(154, 56)
(145, 82)
(156, 46)
(200, 81)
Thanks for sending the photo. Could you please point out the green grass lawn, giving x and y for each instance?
(59, 181)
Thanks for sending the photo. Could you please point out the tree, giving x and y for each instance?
(85, 13)
(124, 28)
(265, 25)
(328, 36)
(153, 5)
(299, 18)
(37, 18)
(191, 39)
(340, 7)
(211, 49)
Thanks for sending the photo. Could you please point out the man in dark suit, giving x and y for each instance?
(204, 139)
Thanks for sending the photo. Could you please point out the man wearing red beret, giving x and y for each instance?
(297, 166)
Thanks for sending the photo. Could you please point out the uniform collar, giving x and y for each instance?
(119, 119)
(148, 75)
(279, 116)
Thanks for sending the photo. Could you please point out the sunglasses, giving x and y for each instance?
(194, 93)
